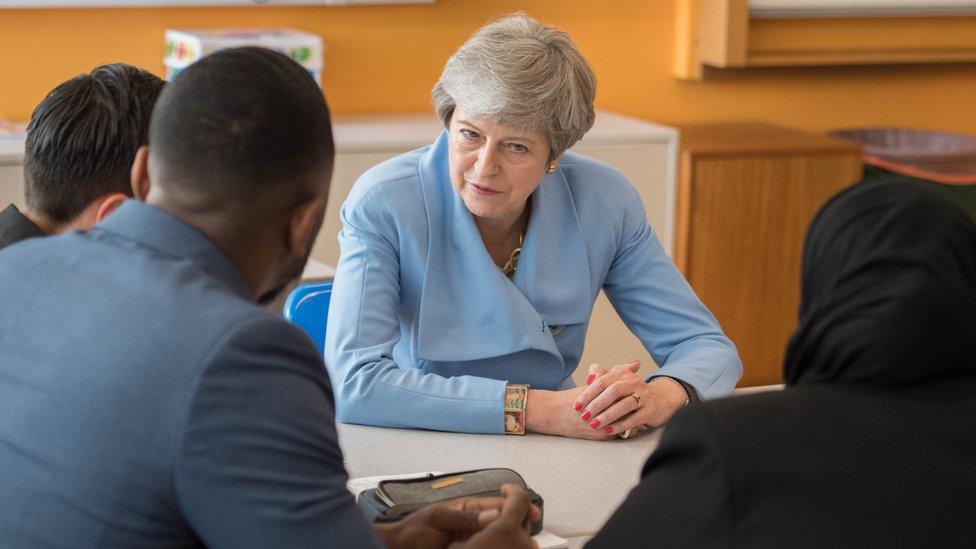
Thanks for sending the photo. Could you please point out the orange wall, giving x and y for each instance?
(385, 59)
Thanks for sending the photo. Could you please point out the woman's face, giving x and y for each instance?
(494, 168)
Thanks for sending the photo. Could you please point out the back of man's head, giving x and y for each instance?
(82, 139)
(243, 130)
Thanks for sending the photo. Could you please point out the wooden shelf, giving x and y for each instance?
(720, 34)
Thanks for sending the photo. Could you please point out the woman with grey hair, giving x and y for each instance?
(469, 267)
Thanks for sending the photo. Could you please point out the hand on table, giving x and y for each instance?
(551, 413)
(609, 405)
(486, 522)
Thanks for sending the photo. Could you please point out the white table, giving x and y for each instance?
(581, 481)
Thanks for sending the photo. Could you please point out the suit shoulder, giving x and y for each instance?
(580, 168)
(257, 340)
(389, 182)
(34, 250)
(590, 179)
(388, 199)
(260, 329)
(762, 402)
(28, 263)
(743, 422)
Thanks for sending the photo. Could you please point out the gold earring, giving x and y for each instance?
(551, 168)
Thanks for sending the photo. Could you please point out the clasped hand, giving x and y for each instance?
(607, 406)
(617, 400)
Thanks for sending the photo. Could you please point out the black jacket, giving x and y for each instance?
(14, 227)
(814, 466)
(873, 442)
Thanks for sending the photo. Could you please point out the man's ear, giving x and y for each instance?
(306, 220)
(108, 205)
(140, 174)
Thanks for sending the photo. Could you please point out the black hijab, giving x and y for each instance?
(889, 290)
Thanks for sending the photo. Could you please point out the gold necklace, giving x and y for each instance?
(512, 264)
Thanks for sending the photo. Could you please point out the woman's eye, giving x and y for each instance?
(468, 134)
(519, 148)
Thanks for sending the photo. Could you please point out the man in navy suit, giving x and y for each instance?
(145, 400)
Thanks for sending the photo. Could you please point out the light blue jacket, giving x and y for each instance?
(424, 331)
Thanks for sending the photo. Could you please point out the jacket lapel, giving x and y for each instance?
(469, 310)
(555, 275)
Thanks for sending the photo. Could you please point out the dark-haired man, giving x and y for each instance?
(145, 400)
(81, 141)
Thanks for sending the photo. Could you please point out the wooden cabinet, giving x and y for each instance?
(747, 193)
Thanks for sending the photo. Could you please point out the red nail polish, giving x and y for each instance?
(590, 378)
(608, 430)
(594, 424)
(585, 416)
(578, 406)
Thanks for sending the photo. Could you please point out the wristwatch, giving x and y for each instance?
(516, 397)
(690, 394)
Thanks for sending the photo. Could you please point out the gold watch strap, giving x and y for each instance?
(516, 397)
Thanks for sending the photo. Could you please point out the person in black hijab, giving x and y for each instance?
(873, 441)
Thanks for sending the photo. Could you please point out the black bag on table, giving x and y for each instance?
(392, 500)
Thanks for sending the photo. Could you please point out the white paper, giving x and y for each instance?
(548, 540)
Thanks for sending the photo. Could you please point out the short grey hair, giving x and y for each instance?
(518, 72)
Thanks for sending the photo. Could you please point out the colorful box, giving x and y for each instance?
(184, 47)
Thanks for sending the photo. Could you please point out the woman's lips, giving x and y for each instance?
(483, 191)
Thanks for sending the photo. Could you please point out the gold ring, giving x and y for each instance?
(639, 402)
(625, 434)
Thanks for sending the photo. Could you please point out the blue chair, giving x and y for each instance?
(308, 307)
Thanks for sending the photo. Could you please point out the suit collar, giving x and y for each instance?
(167, 234)
(15, 226)
(469, 309)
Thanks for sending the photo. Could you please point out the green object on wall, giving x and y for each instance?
(301, 54)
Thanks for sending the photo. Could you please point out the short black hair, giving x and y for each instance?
(83, 137)
(245, 127)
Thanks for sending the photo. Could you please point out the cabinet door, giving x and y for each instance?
(747, 218)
